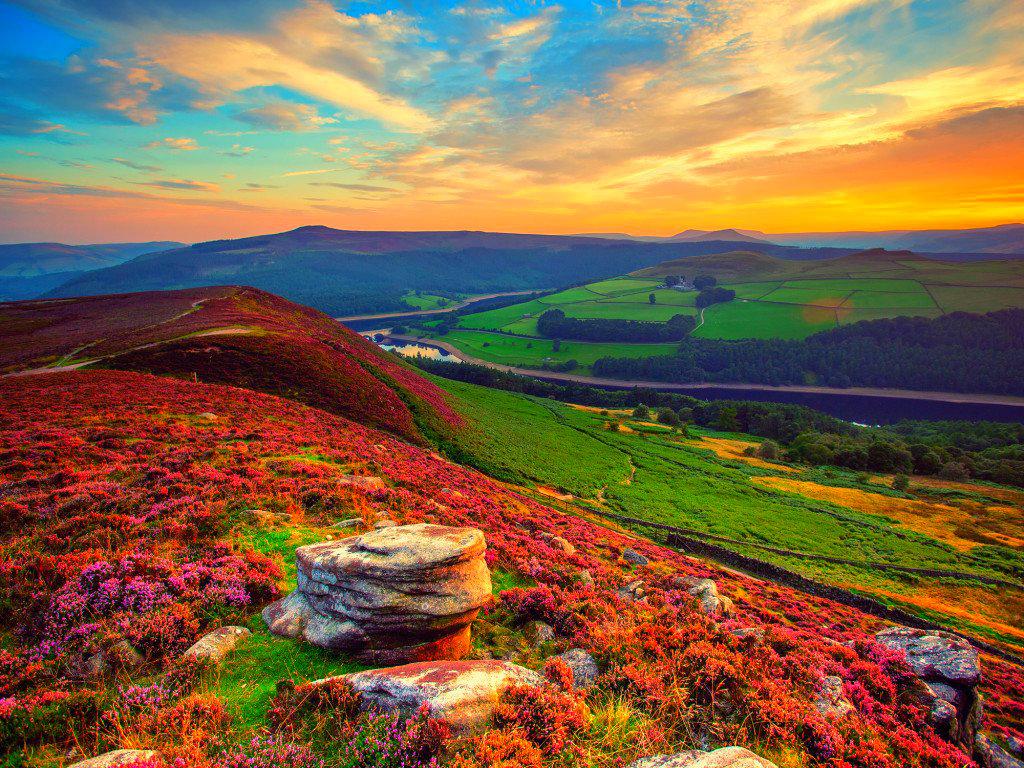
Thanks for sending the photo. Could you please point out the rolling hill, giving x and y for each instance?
(349, 272)
(140, 512)
(238, 336)
(1005, 239)
(28, 270)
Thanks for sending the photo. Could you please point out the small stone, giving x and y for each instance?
(586, 579)
(216, 645)
(831, 700)
(122, 655)
(584, 669)
(630, 555)
(208, 416)
(352, 522)
(537, 633)
(366, 482)
(563, 545)
(745, 632)
(117, 757)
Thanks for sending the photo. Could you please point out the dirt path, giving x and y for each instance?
(903, 394)
(451, 308)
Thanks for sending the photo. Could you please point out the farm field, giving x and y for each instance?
(774, 299)
(428, 301)
(705, 483)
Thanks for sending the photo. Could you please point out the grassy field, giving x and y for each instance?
(774, 299)
(705, 483)
(427, 301)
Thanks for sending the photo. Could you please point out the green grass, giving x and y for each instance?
(512, 350)
(246, 680)
(900, 301)
(745, 320)
(658, 477)
(619, 310)
(620, 285)
(426, 300)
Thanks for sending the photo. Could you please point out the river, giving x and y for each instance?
(858, 407)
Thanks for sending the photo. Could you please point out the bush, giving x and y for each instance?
(642, 412)
(769, 449)
(549, 718)
(668, 417)
(900, 483)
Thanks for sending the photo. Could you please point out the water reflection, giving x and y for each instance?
(410, 348)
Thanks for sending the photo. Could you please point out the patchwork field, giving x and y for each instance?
(705, 482)
(774, 299)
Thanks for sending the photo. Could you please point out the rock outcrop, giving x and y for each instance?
(711, 602)
(727, 757)
(830, 699)
(117, 757)
(949, 667)
(398, 594)
(216, 645)
(584, 668)
(463, 692)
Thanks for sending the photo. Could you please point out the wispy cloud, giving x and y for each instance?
(181, 144)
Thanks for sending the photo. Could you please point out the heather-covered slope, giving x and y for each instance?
(226, 335)
(145, 510)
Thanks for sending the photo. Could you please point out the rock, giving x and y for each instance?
(352, 522)
(117, 757)
(118, 655)
(830, 699)
(727, 757)
(216, 645)
(404, 593)
(633, 591)
(367, 482)
(537, 633)
(586, 579)
(385, 523)
(630, 555)
(711, 602)
(562, 545)
(208, 416)
(1015, 745)
(950, 671)
(584, 668)
(744, 632)
(463, 692)
(935, 655)
(997, 756)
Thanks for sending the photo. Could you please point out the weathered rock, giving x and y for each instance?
(997, 756)
(405, 593)
(118, 655)
(216, 645)
(744, 632)
(633, 591)
(117, 757)
(1015, 745)
(630, 555)
(584, 669)
(830, 699)
(586, 578)
(951, 671)
(385, 523)
(727, 757)
(367, 482)
(711, 602)
(538, 632)
(559, 543)
(463, 692)
(352, 522)
(935, 655)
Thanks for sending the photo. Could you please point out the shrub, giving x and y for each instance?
(549, 718)
(499, 749)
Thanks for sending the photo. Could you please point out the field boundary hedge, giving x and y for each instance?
(683, 539)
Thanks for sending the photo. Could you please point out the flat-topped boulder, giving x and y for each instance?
(727, 757)
(464, 693)
(216, 645)
(401, 593)
(117, 757)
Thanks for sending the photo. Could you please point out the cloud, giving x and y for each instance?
(352, 187)
(182, 144)
(308, 173)
(136, 166)
(238, 150)
(285, 116)
(191, 186)
(17, 121)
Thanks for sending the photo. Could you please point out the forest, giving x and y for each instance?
(554, 324)
(958, 352)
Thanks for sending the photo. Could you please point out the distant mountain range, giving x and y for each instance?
(1002, 239)
(347, 272)
(28, 270)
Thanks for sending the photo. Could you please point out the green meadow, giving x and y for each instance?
(656, 474)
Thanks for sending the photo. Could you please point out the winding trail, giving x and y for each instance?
(903, 394)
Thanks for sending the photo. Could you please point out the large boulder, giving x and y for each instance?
(727, 757)
(464, 693)
(117, 757)
(949, 667)
(711, 602)
(398, 594)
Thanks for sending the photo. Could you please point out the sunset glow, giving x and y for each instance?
(190, 121)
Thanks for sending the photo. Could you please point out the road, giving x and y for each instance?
(906, 394)
(451, 308)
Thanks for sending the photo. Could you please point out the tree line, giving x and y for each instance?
(554, 324)
(960, 352)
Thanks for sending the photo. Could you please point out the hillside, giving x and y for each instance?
(28, 270)
(350, 272)
(727, 267)
(1005, 238)
(226, 335)
(183, 511)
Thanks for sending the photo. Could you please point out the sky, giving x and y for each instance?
(188, 120)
